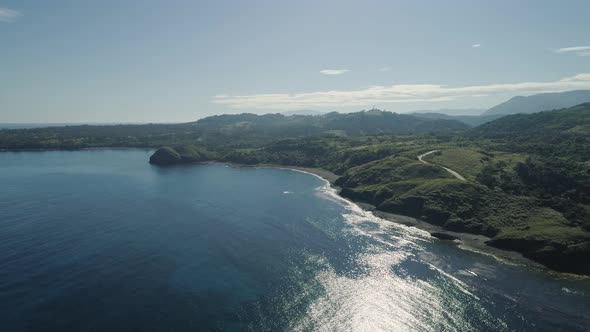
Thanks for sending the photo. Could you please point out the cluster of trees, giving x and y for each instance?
(551, 134)
(86, 136)
(562, 186)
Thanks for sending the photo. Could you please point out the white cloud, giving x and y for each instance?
(8, 15)
(579, 77)
(334, 71)
(384, 69)
(401, 93)
(577, 50)
(476, 45)
(573, 49)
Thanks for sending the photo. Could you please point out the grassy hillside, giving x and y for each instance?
(471, 161)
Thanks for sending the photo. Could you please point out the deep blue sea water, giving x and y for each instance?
(102, 241)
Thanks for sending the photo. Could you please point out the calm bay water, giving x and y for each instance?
(102, 241)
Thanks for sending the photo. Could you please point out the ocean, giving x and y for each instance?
(34, 125)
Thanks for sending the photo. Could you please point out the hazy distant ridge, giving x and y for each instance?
(540, 102)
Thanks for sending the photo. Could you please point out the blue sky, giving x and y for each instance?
(170, 61)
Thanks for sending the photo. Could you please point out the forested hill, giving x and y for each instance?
(575, 120)
(470, 120)
(561, 133)
(352, 124)
(231, 130)
(246, 129)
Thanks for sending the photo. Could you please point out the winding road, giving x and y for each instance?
(455, 174)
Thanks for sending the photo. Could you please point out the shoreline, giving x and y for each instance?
(465, 241)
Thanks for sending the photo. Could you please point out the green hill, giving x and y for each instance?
(562, 133)
(264, 128)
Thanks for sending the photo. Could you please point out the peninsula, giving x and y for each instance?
(521, 180)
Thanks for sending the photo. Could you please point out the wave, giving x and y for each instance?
(383, 294)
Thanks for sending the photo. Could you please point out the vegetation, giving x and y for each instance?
(550, 134)
(470, 120)
(467, 162)
(234, 131)
(182, 154)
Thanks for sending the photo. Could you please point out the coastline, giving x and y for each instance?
(465, 241)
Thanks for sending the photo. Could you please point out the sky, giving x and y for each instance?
(173, 61)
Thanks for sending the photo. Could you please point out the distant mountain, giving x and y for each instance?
(303, 112)
(540, 102)
(276, 126)
(453, 112)
(470, 120)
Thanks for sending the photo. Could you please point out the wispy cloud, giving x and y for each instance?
(476, 45)
(401, 93)
(384, 69)
(334, 71)
(577, 50)
(8, 15)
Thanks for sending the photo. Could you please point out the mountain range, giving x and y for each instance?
(519, 104)
(540, 102)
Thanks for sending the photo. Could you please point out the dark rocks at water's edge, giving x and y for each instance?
(561, 257)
